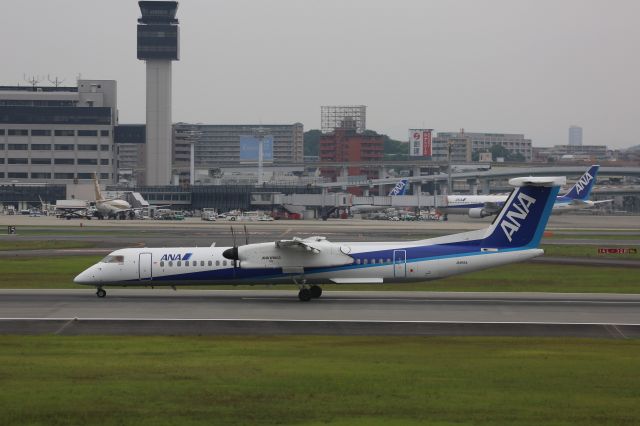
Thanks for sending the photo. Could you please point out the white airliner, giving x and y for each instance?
(110, 208)
(479, 206)
(399, 189)
(513, 237)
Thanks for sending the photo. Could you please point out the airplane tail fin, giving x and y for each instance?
(521, 222)
(96, 186)
(400, 188)
(582, 188)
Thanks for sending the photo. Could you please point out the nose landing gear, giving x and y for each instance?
(100, 292)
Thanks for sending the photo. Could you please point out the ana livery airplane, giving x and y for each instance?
(513, 237)
(110, 208)
(479, 206)
(400, 189)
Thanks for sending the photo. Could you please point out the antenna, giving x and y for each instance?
(32, 80)
(56, 81)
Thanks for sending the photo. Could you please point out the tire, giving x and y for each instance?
(316, 291)
(304, 295)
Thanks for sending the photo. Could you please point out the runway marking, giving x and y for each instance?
(64, 326)
(286, 231)
(323, 320)
(618, 330)
(593, 302)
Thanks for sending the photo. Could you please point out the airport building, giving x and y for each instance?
(482, 142)
(219, 145)
(58, 135)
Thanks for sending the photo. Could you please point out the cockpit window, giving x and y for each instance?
(113, 259)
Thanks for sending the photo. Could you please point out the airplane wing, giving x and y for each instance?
(492, 207)
(299, 243)
(602, 201)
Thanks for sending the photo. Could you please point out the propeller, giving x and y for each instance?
(232, 253)
(246, 236)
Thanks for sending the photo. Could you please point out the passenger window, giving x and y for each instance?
(388, 260)
(209, 263)
(381, 261)
(179, 263)
(217, 263)
(202, 262)
(186, 263)
(170, 263)
(358, 261)
(224, 263)
(366, 261)
(195, 263)
(162, 263)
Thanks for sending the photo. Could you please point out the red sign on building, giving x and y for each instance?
(426, 143)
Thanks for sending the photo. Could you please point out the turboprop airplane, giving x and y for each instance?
(110, 208)
(513, 237)
(479, 206)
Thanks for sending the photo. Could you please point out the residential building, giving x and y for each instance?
(345, 145)
(482, 142)
(219, 144)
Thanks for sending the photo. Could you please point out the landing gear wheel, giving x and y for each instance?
(316, 291)
(101, 293)
(304, 295)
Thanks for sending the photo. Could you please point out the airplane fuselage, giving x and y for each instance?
(365, 264)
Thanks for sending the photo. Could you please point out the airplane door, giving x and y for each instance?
(144, 266)
(400, 263)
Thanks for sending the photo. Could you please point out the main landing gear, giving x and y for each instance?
(100, 292)
(312, 292)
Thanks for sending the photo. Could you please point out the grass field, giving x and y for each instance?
(58, 272)
(43, 244)
(51, 380)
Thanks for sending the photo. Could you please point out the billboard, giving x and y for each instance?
(420, 142)
(249, 149)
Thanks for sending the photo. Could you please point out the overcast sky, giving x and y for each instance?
(532, 67)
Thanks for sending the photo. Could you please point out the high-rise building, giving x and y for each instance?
(575, 135)
(58, 134)
(219, 144)
(158, 41)
(345, 145)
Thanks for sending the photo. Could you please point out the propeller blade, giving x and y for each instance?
(246, 235)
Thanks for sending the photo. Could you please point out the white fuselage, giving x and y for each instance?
(365, 263)
(112, 207)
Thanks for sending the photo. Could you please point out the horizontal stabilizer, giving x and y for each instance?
(538, 181)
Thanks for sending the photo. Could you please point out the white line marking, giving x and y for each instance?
(322, 320)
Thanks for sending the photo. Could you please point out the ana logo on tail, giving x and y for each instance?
(583, 182)
(511, 223)
(400, 188)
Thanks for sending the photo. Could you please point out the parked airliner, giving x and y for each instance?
(479, 206)
(513, 237)
(400, 188)
(110, 208)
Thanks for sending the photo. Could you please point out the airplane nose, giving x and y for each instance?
(84, 277)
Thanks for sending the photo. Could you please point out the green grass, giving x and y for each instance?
(58, 272)
(307, 380)
(43, 245)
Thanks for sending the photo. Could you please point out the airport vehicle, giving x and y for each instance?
(72, 209)
(400, 189)
(479, 206)
(513, 237)
(209, 214)
(110, 208)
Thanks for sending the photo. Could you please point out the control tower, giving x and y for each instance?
(158, 39)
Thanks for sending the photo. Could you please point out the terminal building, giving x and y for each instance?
(58, 135)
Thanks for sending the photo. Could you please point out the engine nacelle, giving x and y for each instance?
(478, 213)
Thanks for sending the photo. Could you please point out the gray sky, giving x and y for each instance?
(532, 67)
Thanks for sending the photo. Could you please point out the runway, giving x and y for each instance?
(147, 311)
